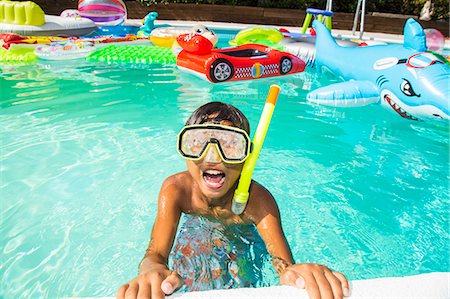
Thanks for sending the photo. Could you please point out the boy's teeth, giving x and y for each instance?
(213, 172)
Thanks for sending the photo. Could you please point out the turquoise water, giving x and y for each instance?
(86, 146)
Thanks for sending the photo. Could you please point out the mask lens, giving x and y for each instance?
(232, 143)
(193, 142)
(422, 60)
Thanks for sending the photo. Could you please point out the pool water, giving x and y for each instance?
(85, 147)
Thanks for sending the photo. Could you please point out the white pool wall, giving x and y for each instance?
(424, 286)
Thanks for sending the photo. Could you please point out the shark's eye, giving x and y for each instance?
(407, 89)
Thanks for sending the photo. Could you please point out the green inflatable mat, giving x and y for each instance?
(16, 53)
(134, 54)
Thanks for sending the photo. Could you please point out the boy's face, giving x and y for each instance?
(214, 177)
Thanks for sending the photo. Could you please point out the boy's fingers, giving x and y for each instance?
(144, 291)
(312, 287)
(344, 283)
(290, 277)
(300, 283)
(172, 283)
(325, 289)
(121, 291)
(335, 283)
(293, 278)
(156, 292)
(132, 290)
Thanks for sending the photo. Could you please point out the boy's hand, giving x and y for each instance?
(320, 282)
(154, 284)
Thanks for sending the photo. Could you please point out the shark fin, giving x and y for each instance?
(345, 94)
(325, 42)
(414, 36)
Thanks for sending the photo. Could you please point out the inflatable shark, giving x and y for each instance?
(405, 78)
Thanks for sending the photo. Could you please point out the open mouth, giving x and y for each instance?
(399, 109)
(214, 178)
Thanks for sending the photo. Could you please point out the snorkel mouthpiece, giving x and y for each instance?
(241, 194)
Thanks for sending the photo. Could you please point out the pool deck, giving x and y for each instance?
(432, 286)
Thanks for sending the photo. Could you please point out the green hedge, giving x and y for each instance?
(406, 7)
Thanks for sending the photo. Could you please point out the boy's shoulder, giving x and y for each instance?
(258, 190)
(178, 179)
(176, 189)
(260, 202)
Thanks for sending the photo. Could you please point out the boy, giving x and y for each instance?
(215, 143)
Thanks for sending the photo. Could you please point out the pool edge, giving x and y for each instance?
(431, 285)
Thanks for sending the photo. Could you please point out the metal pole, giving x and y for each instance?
(329, 5)
(355, 20)
(363, 12)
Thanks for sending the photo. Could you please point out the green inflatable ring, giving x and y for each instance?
(257, 35)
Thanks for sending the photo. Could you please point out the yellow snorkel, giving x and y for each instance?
(241, 194)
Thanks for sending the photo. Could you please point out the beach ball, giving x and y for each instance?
(103, 12)
(435, 40)
(257, 70)
(70, 13)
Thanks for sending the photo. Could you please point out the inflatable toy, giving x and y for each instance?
(241, 194)
(8, 39)
(301, 45)
(103, 12)
(134, 54)
(148, 24)
(64, 50)
(245, 62)
(195, 43)
(435, 40)
(405, 78)
(70, 13)
(167, 36)
(257, 35)
(17, 53)
(117, 39)
(118, 30)
(27, 18)
(304, 46)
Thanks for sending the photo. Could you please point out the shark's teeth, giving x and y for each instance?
(399, 109)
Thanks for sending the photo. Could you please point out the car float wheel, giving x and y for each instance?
(285, 65)
(221, 70)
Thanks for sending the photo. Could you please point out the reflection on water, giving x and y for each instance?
(211, 255)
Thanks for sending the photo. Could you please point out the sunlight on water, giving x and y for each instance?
(86, 146)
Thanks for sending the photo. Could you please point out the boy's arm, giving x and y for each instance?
(320, 282)
(165, 226)
(264, 213)
(155, 280)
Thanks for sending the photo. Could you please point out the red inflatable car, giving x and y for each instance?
(245, 62)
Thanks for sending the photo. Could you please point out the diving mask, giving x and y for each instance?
(422, 60)
(232, 144)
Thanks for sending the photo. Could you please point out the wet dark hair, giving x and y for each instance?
(216, 112)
